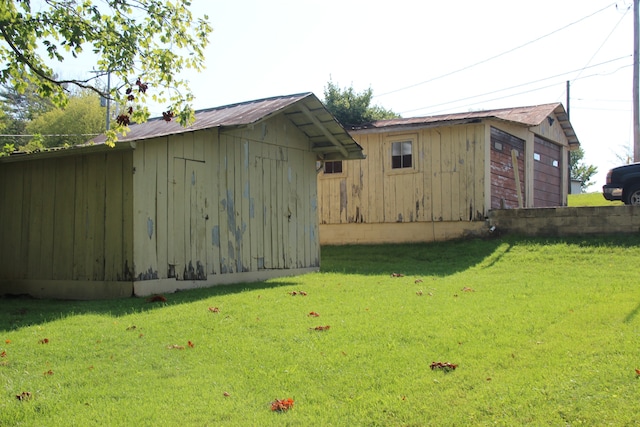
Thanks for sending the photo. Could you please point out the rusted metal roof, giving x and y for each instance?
(527, 116)
(329, 139)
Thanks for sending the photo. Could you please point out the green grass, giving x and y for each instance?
(590, 199)
(547, 333)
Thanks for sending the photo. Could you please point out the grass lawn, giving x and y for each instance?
(590, 199)
(543, 332)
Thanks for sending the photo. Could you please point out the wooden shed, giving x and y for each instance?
(231, 198)
(436, 178)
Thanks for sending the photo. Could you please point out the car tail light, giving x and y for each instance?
(609, 177)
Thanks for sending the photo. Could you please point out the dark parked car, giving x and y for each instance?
(623, 183)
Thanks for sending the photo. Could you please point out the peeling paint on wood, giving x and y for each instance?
(150, 227)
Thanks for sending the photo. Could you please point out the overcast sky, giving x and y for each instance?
(432, 57)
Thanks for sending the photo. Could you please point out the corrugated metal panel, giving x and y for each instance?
(305, 110)
(528, 116)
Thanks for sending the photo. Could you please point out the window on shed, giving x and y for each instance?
(401, 155)
(333, 166)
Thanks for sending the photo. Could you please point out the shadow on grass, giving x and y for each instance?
(19, 312)
(447, 258)
(632, 314)
(436, 259)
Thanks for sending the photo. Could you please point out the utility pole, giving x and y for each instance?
(109, 97)
(106, 99)
(568, 100)
(636, 79)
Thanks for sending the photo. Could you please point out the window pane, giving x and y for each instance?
(396, 149)
(406, 148)
(396, 162)
(406, 161)
(334, 166)
(328, 167)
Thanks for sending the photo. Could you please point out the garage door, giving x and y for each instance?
(547, 178)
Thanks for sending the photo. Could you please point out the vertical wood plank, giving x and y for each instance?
(239, 217)
(114, 218)
(255, 205)
(186, 140)
(179, 202)
(98, 178)
(436, 183)
(80, 220)
(63, 219)
(162, 206)
(16, 190)
(232, 205)
(212, 156)
(35, 170)
(127, 216)
(22, 234)
(245, 212)
(223, 205)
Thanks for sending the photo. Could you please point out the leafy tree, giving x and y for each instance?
(142, 44)
(351, 108)
(579, 170)
(74, 124)
(17, 110)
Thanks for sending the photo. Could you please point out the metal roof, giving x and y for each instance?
(527, 116)
(329, 139)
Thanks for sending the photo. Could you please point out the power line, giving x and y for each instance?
(61, 134)
(521, 85)
(495, 56)
(605, 41)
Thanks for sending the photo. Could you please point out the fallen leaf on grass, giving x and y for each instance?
(190, 344)
(7, 341)
(49, 372)
(44, 341)
(157, 298)
(313, 314)
(419, 293)
(3, 354)
(175, 347)
(226, 394)
(397, 275)
(294, 293)
(214, 309)
(25, 395)
(132, 328)
(322, 328)
(466, 289)
(282, 405)
(637, 373)
(418, 281)
(443, 366)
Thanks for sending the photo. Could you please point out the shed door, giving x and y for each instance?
(504, 191)
(547, 178)
(188, 232)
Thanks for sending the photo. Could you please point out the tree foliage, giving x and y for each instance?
(17, 109)
(579, 170)
(143, 44)
(351, 108)
(73, 124)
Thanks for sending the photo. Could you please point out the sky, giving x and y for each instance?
(430, 57)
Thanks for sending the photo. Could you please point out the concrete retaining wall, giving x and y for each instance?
(566, 221)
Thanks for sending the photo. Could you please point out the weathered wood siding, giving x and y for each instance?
(215, 203)
(504, 189)
(445, 183)
(67, 218)
(547, 181)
